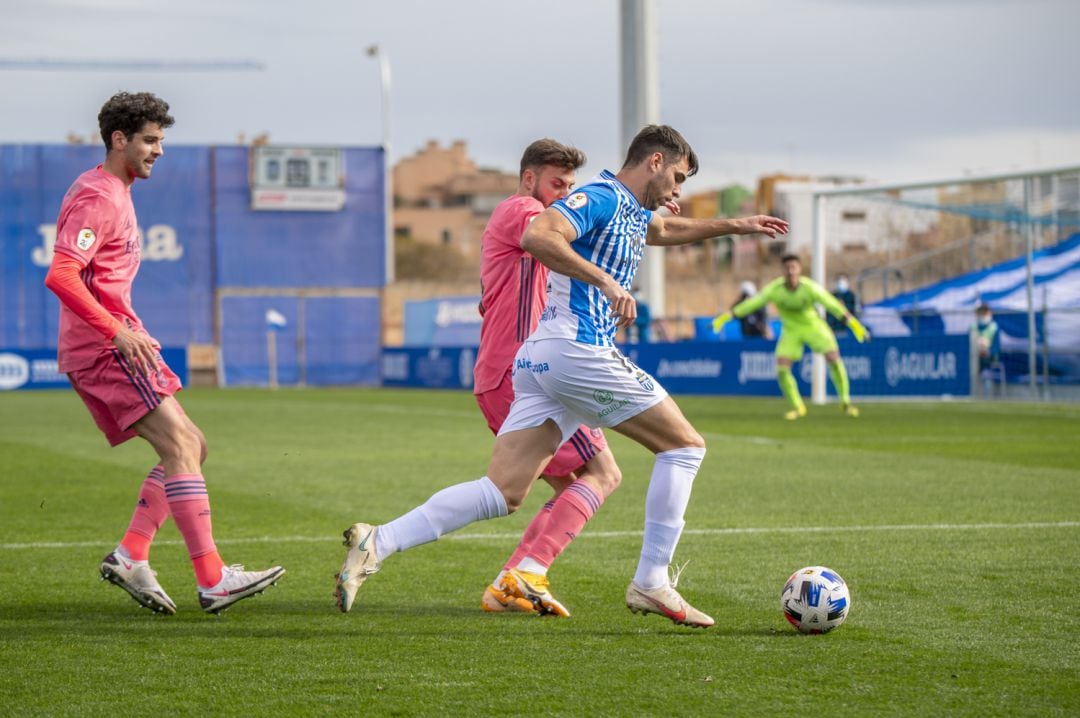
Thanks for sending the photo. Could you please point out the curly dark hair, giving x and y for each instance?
(661, 138)
(549, 152)
(129, 111)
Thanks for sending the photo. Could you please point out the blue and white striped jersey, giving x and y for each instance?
(611, 228)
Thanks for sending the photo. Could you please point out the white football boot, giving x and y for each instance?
(139, 580)
(235, 585)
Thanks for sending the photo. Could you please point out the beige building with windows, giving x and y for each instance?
(442, 198)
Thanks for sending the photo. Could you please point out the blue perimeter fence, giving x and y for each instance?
(211, 265)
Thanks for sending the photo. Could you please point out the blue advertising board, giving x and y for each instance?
(36, 368)
(443, 322)
(894, 366)
(429, 367)
(900, 366)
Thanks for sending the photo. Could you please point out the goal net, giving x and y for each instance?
(921, 258)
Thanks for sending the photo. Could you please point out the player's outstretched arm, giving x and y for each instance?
(858, 330)
(665, 231)
(548, 239)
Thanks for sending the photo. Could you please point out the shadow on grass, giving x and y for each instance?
(273, 618)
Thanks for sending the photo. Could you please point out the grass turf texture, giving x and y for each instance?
(954, 525)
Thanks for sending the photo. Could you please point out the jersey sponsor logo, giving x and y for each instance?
(538, 368)
(85, 239)
(602, 396)
(612, 407)
(576, 201)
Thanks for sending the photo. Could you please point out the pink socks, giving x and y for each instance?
(190, 507)
(532, 531)
(574, 507)
(150, 513)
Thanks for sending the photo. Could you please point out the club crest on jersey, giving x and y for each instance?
(645, 380)
(575, 201)
(86, 238)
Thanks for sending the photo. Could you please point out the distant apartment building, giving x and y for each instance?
(442, 197)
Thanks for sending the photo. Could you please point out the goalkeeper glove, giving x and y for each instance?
(858, 331)
(719, 322)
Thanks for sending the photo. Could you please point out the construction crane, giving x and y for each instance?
(138, 65)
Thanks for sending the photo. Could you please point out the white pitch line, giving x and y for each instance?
(591, 534)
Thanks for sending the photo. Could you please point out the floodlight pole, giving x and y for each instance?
(388, 184)
(641, 106)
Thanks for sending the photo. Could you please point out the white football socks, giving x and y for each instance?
(665, 505)
(447, 510)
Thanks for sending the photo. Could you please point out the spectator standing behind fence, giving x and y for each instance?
(754, 325)
(988, 341)
(846, 296)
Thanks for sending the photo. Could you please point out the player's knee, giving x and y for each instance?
(204, 449)
(694, 440)
(186, 445)
(608, 480)
(513, 500)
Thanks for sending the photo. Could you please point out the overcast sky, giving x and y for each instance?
(886, 89)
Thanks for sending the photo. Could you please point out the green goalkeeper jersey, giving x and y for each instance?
(796, 306)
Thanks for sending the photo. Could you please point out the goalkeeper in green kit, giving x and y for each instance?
(795, 298)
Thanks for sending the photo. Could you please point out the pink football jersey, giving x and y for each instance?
(97, 227)
(514, 289)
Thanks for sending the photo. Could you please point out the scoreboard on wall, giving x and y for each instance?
(308, 179)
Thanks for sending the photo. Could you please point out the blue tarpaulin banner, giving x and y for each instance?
(200, 235)
(173, 293)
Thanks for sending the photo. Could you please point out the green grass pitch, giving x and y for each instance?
(956, 526)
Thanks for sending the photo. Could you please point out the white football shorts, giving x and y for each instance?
(573, 383)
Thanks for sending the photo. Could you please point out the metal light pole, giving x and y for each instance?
(640, 103)
(388, 184)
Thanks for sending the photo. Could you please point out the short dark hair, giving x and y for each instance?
(549, 152)
(128, 112)
(664, 139)
(790, 258)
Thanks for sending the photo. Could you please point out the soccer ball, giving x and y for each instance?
(815, 599)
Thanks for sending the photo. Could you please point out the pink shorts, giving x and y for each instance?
(117, 397)
(571, 456)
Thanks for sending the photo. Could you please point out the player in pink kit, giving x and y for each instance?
(116, 367)
(514, 290)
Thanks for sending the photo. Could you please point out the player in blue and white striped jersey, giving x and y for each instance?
(611, 228)
(569, 372)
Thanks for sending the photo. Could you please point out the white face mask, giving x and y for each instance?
(841, 284)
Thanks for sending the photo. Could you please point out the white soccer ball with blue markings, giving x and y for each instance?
(815, 599)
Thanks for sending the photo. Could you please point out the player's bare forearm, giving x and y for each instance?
(666, 231)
